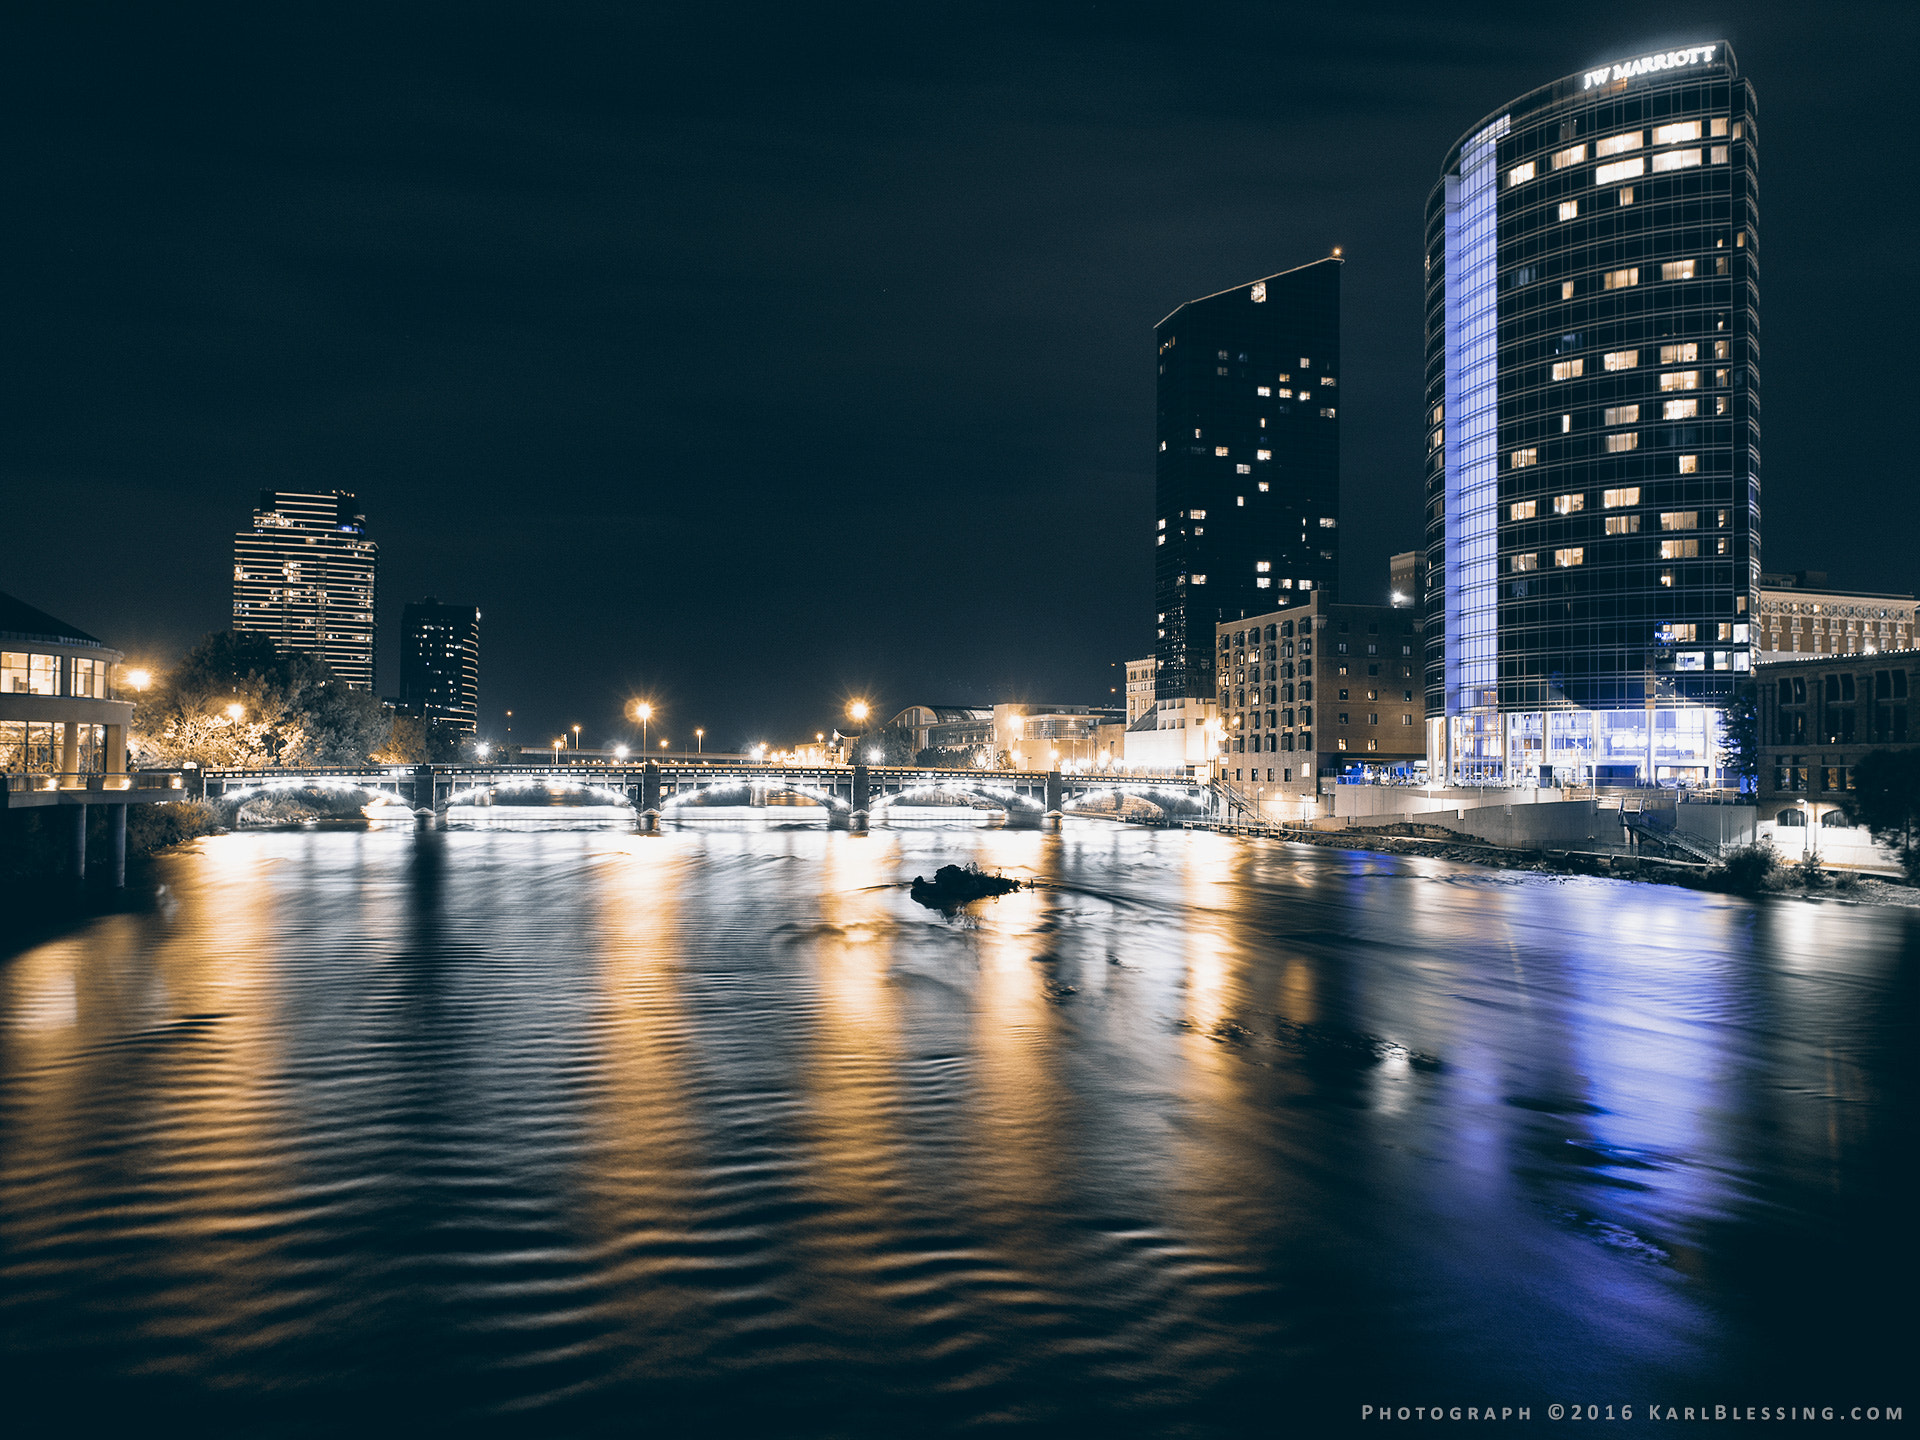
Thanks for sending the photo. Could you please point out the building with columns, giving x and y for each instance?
(1801, 616)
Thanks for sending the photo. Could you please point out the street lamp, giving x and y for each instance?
(236, 710)
(558, 741)
(699, 740)
(858, 712)
(576, 737)
(138, 679)
(619, 752)
(663, 745)
(642, 712)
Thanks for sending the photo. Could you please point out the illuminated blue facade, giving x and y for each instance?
(1592, 424)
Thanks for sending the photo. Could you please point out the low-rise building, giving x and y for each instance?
(59, 716)
(1318, 690)
(946, 727)
(1819, 716)
(1801, 615)
(1049, 737)
(1173, 734)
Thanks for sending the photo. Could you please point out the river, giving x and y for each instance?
(552, 1128)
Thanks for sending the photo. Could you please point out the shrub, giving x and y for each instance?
(1748, 869)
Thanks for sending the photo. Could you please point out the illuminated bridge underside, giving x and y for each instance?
(668, 788)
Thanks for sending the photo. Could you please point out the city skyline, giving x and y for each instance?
(911, 420)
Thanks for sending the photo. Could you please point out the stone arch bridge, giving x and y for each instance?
(654, 788)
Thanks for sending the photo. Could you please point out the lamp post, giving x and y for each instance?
(699, 740)
(642, 712)
(576, 737)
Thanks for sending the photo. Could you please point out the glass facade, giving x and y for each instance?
(440, 664)
(1593, 479)
(304, 574)
(1247, 482)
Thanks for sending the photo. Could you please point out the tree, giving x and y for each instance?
(233, 699)
(1886, 799)
(894, 742)
(415, 741)
(938, 758)
(1740, 735)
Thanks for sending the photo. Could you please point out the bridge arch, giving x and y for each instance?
(744, 787)
(1005, 796)
(234, 800)
(469, 794)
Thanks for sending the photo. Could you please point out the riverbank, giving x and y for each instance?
(1783, 879)
(38, 899)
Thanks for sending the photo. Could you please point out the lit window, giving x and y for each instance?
(1163, 444)
(1630, 440)
(1616, 144)
(1623, 524)
(1241, 500)
(1163, 524)
(1717, 155)
(1285, 393)
(1265, 390)
(1620, 359)
(1680, 409)
(1676, 160)
(1263, 487)
(1159, 539)
(1567, 504)
(1666, 577)
(1619, 170)
(1243, 469)
(1260, 293)
(1327, 413)
(1571, 156)
(1679, 354)
(1522, 510)
(1327, 522)
(1526, 562)
(1679, 549)
(1219, 449)
(1262, 566)
(1569, 209)
(1524, 458)
(1577, 555)
(1439, 413)
(1566, 289)
(1623, 414)
(1718, 128)
(1328, 380)
(1263, 582)
(1620, 279)
(1676, 270)
(1626, 194)
(1199, 579)
(1566, 424)
(1263, 454)
(1679, 519)
(1569, 369)
(1689, 464)
(1677, 133)
(1197, 514)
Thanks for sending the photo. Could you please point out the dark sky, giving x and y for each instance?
(752, 358)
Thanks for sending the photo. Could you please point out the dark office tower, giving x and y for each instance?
(440, 665)
(1248, 485)
(1592, 423)
(304, 575)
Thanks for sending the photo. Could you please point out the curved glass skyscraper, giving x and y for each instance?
(1593, 474)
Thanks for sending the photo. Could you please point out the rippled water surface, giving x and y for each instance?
(556, 1131)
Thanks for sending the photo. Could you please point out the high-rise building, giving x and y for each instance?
(1248, 481)
(1407, 580)
(304, 575)
(1592, 422)
(440, 663)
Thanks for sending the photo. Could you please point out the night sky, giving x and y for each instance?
(753, 358)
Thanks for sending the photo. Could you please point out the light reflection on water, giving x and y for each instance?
(543, 1123)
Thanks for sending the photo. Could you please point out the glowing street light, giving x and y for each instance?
(858, 711)
(482, 749)
(699, 740)
(663, 744)
(236, 710)
(876, 755)
(138, 679)
(642, 712)
(576, 737)
(619, 752)
(558, 741)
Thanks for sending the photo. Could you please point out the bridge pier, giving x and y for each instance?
(77, 842)
(861, 783)
(117, 836)
(1056, 799)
